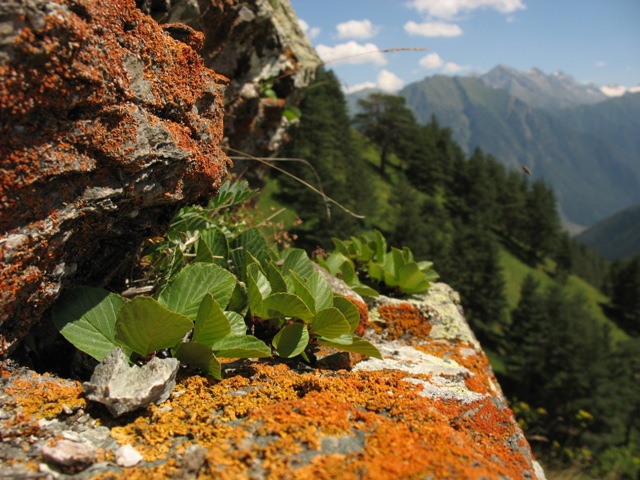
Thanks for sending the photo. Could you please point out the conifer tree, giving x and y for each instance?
(388, 123)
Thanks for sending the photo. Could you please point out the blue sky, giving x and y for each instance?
(595, 41)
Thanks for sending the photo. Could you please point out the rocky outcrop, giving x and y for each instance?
(431, 409)
(109, 123)
(107, 126)
(261, 48)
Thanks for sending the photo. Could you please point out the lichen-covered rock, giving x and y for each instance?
(261, 48)
(107, 126)
(431, 409)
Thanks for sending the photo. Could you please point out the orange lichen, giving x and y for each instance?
(482, 379)
(94, 96)
(270, 415)
(403, 321)
(43, 396)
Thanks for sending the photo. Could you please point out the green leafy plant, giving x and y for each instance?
(193, 304)
(393, 270)
(296, 301)
(215, 276)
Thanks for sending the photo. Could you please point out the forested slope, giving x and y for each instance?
(572, 382)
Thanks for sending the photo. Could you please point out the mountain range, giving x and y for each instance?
(581, 142)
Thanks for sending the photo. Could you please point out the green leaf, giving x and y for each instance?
(238, 327)
(380, 246)
(249, 241)
(239, 301)
(365, 291)
(291, 340)
(330, 323)
(189, 287)
(277, 281)
(348, 309)
(298, 261)
(301, 290)
(241, 346)
(86, 317)
(146, 326)
(200, 356)
(211, 322)
(351, 343)
(321, 291)
(287, 305)
(258, 289)
(376, 271)
(212, 247)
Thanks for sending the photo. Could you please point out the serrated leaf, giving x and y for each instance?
(365, 291)
(249, 241)
(238, 327)
(298, 261)
(301, 290)
(199, 356)
(87, 317)
(188, 288)
(212, 247)
(239, 301)
(241, 346)
(321, 291)
(287, 305)
(351, 343)
(348, 309)
(330, 323)
(258, 289)
(211, 323)
(146, 326)
(275, 278)
(291, 340)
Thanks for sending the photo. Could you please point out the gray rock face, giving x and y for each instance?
(123, 388)
(107, 126)
(260, 47)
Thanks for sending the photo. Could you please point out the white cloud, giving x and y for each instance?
(389, 82)
(360, 29)
(359, 86)
(601, 64)
(311, 32)
(352, 53)
(432, 29)
(450, 8)
(431, 61)
(450, 67)
(618, 90)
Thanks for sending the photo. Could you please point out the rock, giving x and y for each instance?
(431, 409)
(69, 453)
(123, 388)
(127, 456)
(259, 46)
(107, 126)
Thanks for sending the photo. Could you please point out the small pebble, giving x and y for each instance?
(69, 453)
(127, 456)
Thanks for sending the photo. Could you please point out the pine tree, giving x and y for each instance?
(525, 340)
(388, 123)
(542, 226)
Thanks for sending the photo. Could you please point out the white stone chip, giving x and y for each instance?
(127, 456)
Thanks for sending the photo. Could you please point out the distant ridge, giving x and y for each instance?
(588, 150)
(538, 90)
(616, 237)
